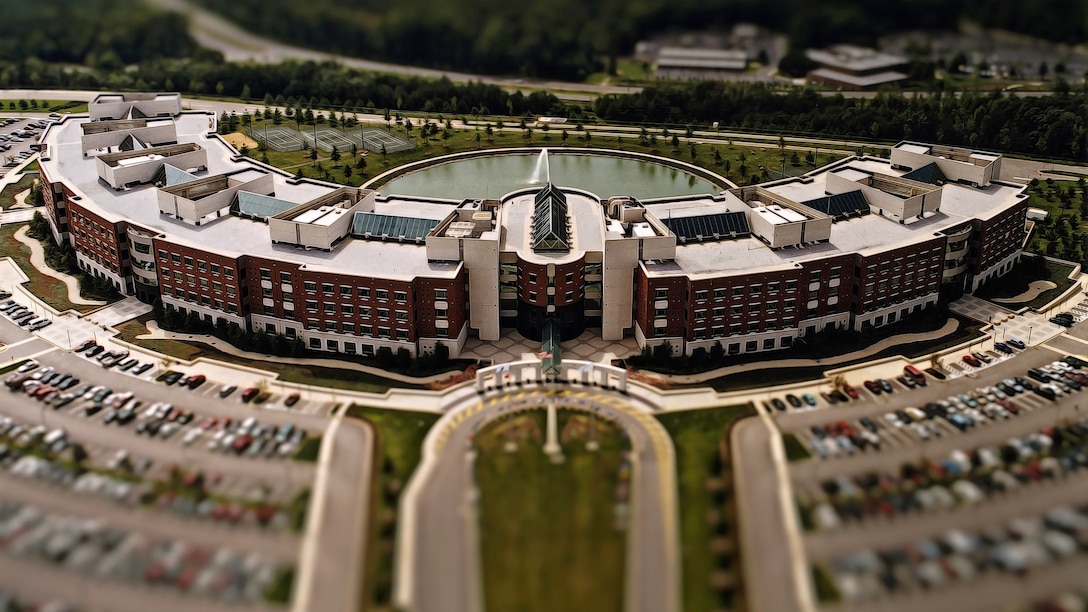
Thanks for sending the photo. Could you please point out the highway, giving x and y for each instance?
(438, 557)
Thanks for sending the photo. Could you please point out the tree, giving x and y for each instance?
(489, 131)
(335, 156)
(675, 143)
(354, 150)
(347, 171)
(313, 156)
(383, 151)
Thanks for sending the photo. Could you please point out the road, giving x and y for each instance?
(333, 556)
(236, 44)
(438, 541)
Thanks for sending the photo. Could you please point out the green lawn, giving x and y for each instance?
(400, 435)
(7, 195)
(795, 450)
(11, 108)
(697, 437)
(49, 289)
(1017, 281)
(549, 538)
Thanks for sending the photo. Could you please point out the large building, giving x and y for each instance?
(165, 209)
(856, 68)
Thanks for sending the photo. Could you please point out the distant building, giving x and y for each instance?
(855, 68)
(681, 62)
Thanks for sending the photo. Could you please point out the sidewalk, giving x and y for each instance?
(221, 345)
(37, 259)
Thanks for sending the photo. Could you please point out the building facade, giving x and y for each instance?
(168, 211)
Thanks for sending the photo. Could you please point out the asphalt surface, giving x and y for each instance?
(444, 549)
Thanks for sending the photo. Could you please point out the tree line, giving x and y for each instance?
(316, 85)
(1050, 126)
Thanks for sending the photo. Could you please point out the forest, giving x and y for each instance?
(1048, 126)
(570, 39)
(106, 34)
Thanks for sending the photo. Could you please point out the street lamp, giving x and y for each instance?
(1029, 334)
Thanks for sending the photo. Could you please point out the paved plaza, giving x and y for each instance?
(515, 347)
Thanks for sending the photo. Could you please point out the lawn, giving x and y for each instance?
(400, 435)
(697, 437)
(49, 289)
(7, 195)
(12, 108)
(1017, 281)
(549, 538)
(320, 376)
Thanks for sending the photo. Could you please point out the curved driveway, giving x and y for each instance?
(438, 563)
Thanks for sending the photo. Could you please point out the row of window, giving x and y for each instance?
(737, 310)
(203, 300)
(200, 264)
(203, 283)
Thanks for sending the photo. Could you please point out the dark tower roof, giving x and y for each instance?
(550, 223)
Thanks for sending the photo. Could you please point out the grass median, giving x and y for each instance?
(549, 533)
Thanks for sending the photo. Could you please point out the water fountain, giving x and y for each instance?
(542, 173)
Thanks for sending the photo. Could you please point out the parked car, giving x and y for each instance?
(249, 394)
(294, 397)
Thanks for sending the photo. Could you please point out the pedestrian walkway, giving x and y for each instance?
(118, 312)
(37, 259)
(514, 347)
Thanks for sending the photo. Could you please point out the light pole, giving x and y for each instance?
(1029, 335)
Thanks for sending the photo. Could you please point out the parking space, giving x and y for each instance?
(16, 137)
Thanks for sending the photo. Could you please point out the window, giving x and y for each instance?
(311, 305)
(720, 294)
(363, 293)
(441, 313)
(753, 308)
(700, 315)
(162, 255)
(332, 345)
(201, 265)
(188, 262)
(661, 293)
(347, 309)
(400, 296)
(532, 296)
(192, 297)
(814, 276)
(383, 332)
(349, 328)
(756, 289)
(383, 294)
(203, 283)
(383, 313)
(269, 310)
(367, 350)
(836, 272)
(661, 312)
(329, 307)
(402, 334)
(231, 291)
(700, 333)
(772, 287)
(312, 324)
(349, 348)
(345, 291)
(285, 278)
(532, 277)
(327, 288)
(217, 286)
(315, 343)
(178, 276)
(190, 280)
(772, 306)
(215, 268)
(791, 285)
(441, 332)
(232, 307)
(366, 330)
(440, 295)
(310, 286)
(738, 291)
(751, 346)
(768, 344)
(228, 272)
(219, 304)
(175, 258)
(701, 295)
(719, 313)
(569, 278)
(790, 304)
(569, 296)
(364, 311)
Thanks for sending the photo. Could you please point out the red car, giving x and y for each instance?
(291, 400)
(249, 394)
(850, 390)
(195, 381)
(972, 361)
(873, 387)
(916, 374)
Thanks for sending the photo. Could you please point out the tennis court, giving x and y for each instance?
(278, 138)
(376, 138)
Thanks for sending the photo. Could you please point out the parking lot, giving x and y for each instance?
(16, 137)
